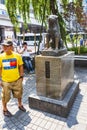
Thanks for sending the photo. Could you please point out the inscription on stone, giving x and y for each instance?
(47, 69)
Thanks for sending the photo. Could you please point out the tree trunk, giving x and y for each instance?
(52, 6)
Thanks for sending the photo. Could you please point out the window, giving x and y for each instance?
(2, 1)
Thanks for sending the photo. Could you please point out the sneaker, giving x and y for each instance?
(22, 108)
(31, 72)
(7, 113)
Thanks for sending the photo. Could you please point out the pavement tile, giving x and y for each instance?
(81, 127)
(48, 124)
(37, 120)
(34, 127)
(58, 127)
(43, 123)
(66, 128)
(39, 128)
(53, 126)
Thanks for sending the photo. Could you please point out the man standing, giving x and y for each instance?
(11, 73)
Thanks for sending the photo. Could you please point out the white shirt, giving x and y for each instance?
(41, 46)
(25, 53)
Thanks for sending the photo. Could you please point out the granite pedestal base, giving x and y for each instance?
(50, 52)
(55, 106)
(54, 75)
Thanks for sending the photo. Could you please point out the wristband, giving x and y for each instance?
(21, 76)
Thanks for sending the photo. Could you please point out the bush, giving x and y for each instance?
(79, 50)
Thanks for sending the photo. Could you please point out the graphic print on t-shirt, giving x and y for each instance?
(9, 63)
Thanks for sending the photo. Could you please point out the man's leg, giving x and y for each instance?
(20, 105)
(27, 65)
(5, 110)
(30, 65)
(18, 91)
(4, 105)
(19, 102)
(5, 98)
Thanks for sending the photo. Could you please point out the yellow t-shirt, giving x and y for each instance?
(9, 65)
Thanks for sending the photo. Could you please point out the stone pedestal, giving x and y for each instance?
(54, 75)
(51, 52)
(55, 86)
(55, 106)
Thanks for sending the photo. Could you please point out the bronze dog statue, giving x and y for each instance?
(53, 37)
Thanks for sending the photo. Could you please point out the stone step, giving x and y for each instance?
(80, 61)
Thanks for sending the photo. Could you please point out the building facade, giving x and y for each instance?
(6, 27)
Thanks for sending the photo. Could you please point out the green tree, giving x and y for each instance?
(72, 8)
(41, 8)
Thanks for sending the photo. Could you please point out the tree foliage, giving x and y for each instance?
(41, 9)
(74, 7)
(16, 7)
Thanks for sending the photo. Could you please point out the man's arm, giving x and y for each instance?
(0, 71)
(21, 71)
(0, 76)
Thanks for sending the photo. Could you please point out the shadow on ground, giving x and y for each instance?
(17, 122)
(72, 118)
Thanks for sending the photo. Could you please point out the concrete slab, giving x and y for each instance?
(54, 106)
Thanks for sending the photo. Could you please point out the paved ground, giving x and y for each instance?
(37, 120)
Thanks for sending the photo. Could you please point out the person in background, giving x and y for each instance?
(25, 52)
(11, 73)
(81, 42)
(41, 48)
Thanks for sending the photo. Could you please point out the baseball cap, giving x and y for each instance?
(7, 43)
